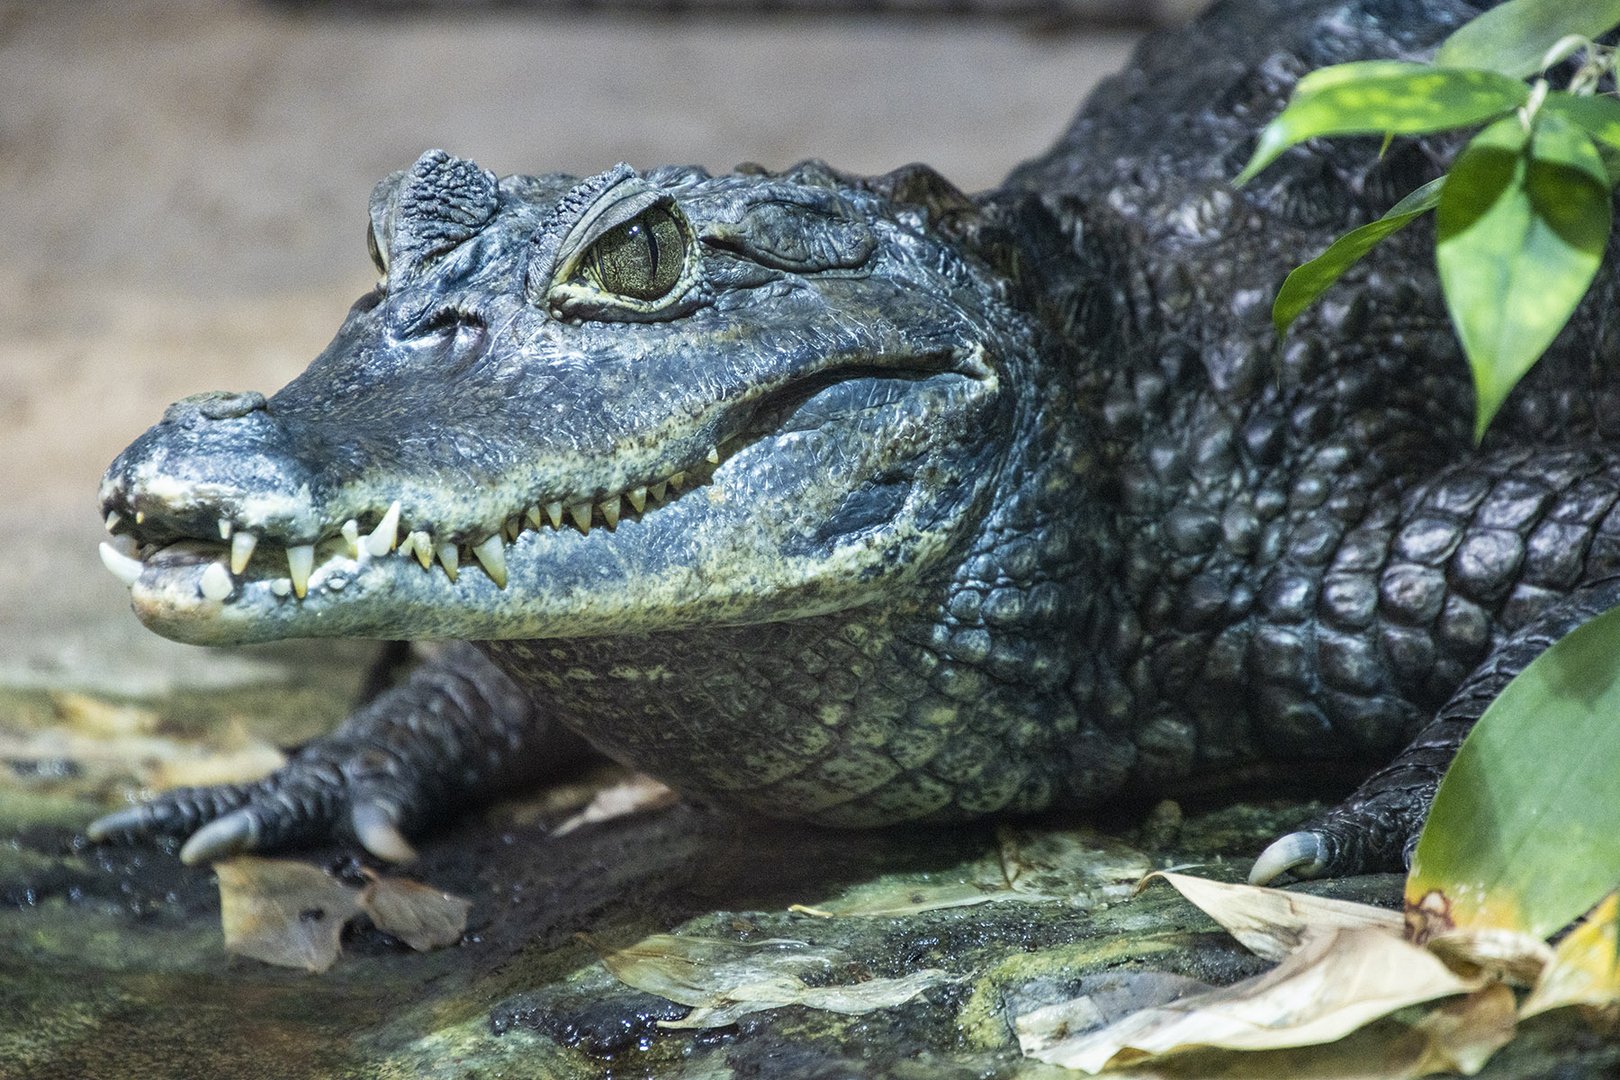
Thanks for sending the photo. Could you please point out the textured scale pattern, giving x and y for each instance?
(1194, 551)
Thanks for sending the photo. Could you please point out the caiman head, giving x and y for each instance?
(623, 405)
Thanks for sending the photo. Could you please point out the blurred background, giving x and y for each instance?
(183, 190)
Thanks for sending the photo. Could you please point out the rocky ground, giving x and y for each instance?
(182, 196)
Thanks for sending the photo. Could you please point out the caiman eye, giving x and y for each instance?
(642, 258)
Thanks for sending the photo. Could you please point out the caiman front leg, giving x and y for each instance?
(1572, 535)
(457, 731)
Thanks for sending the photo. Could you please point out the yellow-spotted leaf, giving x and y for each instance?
(1514, 38)
(1310, 280)
(1374, 97)
(1523, 221)
(1599, 117)
(1585, 968)
(1524, 834)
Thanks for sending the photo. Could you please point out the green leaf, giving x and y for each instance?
(1310, 280)
(1525, 831)
(1513, 38)
(1384, 96)
(1523, 221)
(1599, 117)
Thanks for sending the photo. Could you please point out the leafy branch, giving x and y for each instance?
(1523, 216)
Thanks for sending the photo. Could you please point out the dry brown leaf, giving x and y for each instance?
(1335, 983)
(1273, 922)
(635, 795)
(99, 717)
(1460, 1036)
(724, 980)
(1504, 955)
(1584, 968)
(421, 916)
(249, 762)
(285, 913)
(1075, 867)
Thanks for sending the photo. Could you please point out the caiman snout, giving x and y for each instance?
(214, 405)
(216, 462)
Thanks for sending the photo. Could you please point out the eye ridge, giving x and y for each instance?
(641, 259)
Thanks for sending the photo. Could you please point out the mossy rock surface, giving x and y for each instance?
(112, 961)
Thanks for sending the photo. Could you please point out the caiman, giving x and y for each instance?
(859, 500)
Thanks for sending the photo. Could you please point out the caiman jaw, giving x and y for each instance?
(127, 557)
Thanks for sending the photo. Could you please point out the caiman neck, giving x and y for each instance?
(965, 695)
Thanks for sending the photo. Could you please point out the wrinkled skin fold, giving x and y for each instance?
(859, 500)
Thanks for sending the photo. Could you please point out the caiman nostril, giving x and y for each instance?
(216, 405)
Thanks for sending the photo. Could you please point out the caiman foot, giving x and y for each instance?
(326, 789)
(1374, 830)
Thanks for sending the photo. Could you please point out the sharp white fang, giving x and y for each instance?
(714, 455)
(450, 558)
(581, 513)
(123, 567)
(242, 545)
(491, 555)
(281, 586)
(351, 536)
(216, 583)
(554, 514)
(677, 480)
(610, 511)
(659, 491)
(140, 517)
(300, 564)
(423, 545)
(385, 535)
(112, 520)
(532, 516)
(638, 498)
(224, 528)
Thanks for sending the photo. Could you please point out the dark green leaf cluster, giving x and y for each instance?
(1524, 214)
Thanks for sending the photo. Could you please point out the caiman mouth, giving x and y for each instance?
(175, 573)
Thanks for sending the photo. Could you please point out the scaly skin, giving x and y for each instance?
(1011, 500)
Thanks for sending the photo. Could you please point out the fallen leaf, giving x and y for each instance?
(285, 913)
(1274, 922)
(421, 916)
(250, 761)
(1460, 1036)
(1584, 969)
(724, 980)
(1499, 955)
(637, 794)
(97, 716)
(1336, 982)
(1077, 868)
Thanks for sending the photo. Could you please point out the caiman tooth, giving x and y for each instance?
(351, 536)
(140, 517)
(242, 545)
(581, 513)
(714, 455)
(677, 480)
(216, 583)
(113, 519)
(554, 514)
(123, 567)
(610, 511)
(533, 516)
(386, 535)
(659, 491)
(300, 564)
(225, 528)
(491, 555)
(281, 586)
(450, 559)
(422, 545)
(638, 498)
